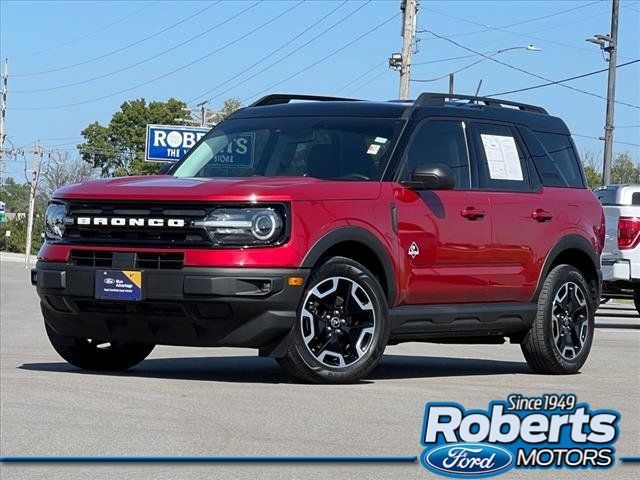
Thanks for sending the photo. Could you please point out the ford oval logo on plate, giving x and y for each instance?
(467, 460)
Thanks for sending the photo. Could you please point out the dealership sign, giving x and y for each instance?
(168, 143)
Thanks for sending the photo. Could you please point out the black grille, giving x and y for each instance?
(160, 261)
(143, 260)
(91, 258)
(137, 235)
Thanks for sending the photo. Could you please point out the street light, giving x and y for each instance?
(529, 48)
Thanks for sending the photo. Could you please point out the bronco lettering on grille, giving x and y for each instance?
(131, 222)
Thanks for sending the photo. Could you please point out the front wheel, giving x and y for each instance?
(342, 327)
(92, 354)
(560, 338)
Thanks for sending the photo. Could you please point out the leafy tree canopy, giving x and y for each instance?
(118, 148)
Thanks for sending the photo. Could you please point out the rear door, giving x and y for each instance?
(524, 221)
(444, 234)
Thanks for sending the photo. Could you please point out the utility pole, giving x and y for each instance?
(35, 174)
(3, 112)
(611, 95)
(609, 44)
(409, 18)
(203, 113)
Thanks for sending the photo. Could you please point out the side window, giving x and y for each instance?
(560, 149)
(439, 141)
(635, 199)
(500, 158)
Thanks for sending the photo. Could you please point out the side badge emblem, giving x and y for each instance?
(414, 251)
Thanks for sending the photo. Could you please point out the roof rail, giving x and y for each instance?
(279, 98)
(429, 99)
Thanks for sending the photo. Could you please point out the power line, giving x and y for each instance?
(334, 52)
(113, 52)
(86, 35)
(448, 59)
(145, 60)
(522, 70)
(377, 65)
(568, 79)
(273, 52)
(370, 80)
(598, 138)
(285, 57)
(171, 72)
(529, 35)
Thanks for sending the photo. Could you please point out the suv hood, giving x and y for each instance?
(169, 188)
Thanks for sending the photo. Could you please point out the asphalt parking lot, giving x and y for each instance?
(195, 401)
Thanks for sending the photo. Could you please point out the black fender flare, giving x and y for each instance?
(570, 242)
(359, 235)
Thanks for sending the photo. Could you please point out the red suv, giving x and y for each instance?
(321, 231)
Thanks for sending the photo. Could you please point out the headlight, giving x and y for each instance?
(54, 221)
(244, 226)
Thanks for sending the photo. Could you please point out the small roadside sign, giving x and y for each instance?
(3, 215)
(168, 143)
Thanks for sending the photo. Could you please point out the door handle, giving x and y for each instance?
(541, 215)
(472, 213)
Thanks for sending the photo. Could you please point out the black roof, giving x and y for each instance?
(427, 104)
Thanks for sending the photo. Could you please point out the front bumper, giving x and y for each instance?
(236, 307)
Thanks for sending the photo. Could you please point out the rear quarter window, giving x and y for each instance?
(560, 149)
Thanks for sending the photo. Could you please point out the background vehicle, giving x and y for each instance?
(621, 253)
(320, 232)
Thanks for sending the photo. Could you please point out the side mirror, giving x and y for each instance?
(432, 176)
(165, 167)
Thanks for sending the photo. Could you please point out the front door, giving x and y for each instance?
(445, 235)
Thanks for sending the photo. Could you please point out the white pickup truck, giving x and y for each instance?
(621, 255)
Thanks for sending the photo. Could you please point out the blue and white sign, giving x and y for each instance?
(237, 152)
(168, 143)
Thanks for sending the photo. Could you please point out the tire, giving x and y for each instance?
(342, 326)
(543, 343)
(91, 354)
(636, 299)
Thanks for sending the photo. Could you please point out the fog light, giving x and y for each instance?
(295, 281)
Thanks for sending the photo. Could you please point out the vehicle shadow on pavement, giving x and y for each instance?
(625, 314)
(247, 369)
(622, 326)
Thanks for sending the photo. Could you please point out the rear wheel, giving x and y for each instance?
(342, 327)
(636, 299)
(560, 338)
(92, 354)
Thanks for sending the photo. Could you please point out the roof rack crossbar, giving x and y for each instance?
(429, 99)
(279, 98)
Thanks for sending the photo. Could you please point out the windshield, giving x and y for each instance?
(336, 148)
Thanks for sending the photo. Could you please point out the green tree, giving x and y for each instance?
(118, 148)
(18, 228)
(623, 169)
(15, 195)
(229, 106)
(592, 169)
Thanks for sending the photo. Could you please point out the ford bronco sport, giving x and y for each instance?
(320, 230)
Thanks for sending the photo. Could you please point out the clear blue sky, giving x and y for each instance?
(44, 36)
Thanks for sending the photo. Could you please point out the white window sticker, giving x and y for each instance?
(502, 157)
(373, 149)
(381, 140)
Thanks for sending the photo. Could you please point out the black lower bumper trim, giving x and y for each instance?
(192, 306)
